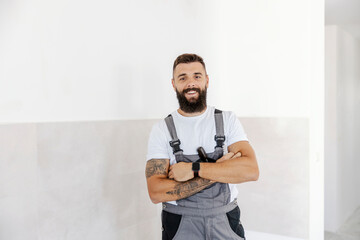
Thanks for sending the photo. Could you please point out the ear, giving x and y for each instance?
(207, 81)
(173, 84)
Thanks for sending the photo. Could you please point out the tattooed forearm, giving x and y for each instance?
(186, 189)
(156, 167)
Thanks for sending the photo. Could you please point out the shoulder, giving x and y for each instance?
(231, 121)
(158, 141)
(159, 126)
(228, 116)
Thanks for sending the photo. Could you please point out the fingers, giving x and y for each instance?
(228, 156)
(225, 157)
(171, 175)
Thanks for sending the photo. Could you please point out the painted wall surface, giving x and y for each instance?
(86, 60)
(70, 61)
(86, 180)
(332, 221)
(342, 181)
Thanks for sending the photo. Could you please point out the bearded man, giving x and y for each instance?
(196, 156)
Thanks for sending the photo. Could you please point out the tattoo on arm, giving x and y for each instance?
(186, 189)
(156, 167)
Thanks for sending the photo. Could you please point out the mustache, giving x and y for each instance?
(191, 89)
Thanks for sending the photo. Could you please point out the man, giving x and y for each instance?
(197, 190)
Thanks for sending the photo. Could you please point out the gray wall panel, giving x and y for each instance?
(18, 182)
(279, 201)
(85, 180)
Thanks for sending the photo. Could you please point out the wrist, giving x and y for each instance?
(196, 169)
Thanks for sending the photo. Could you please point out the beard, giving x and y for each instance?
(194, 104)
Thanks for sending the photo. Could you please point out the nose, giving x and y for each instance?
(191, 83)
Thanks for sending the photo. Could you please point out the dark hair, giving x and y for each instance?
(188, 58)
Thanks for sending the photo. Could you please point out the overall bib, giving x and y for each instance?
(208, 214)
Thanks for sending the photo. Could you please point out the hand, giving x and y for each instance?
(181, 172)
(228, 156)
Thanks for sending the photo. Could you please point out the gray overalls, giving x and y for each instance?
(208, 214)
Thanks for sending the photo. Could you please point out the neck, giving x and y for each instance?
(194, 114)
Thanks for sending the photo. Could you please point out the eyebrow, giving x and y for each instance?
(183, 74)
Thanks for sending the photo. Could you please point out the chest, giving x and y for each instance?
(194, 134)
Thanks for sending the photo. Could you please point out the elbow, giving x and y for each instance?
(155, 201)
(255, 175)
(154, 198)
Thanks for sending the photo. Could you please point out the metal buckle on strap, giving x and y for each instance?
(175, 145)
(219, 140)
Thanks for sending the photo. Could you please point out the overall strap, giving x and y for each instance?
(175, 141)
(219, 124)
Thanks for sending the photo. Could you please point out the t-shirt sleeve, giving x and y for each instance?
(157, 148)
(235, 130)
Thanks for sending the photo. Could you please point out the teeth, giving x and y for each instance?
(191, 92)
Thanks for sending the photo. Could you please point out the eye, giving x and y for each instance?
(182, 79)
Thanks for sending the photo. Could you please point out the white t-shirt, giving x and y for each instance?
(194, 132)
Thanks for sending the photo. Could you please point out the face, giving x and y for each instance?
(190, 83)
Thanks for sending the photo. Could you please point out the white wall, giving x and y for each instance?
(342, 127)
(331, 195)
(86, 60)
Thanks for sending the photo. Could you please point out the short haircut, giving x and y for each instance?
(188, 58)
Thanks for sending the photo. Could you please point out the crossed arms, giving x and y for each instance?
(169, 183)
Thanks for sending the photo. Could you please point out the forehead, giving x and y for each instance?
(188, 68)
